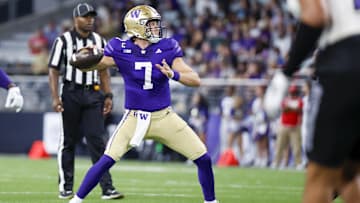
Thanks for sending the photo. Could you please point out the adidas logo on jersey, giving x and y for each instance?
(158, 51)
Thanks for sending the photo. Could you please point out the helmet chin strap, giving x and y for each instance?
(154, 40)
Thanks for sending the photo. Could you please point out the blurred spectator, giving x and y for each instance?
(199, 114)
(253, 70)
(289, 134)
(227, 105)
(187, 7)
(282, 40)
(51, 32)
(107, 23)
(38, 45)
(171, 12)
(206, 6)
(236, 129)
(306, 123)
(207, 52)
(261, 129)
(66, 25)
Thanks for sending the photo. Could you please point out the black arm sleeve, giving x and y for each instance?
(305, 41)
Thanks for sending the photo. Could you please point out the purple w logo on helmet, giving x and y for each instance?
(135, 13)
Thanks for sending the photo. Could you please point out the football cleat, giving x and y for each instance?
(111, 194)
(75, 199)
(215, 201)
(67, 194)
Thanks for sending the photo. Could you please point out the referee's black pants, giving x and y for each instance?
(83, 107)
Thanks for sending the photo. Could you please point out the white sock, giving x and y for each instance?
(76, 199)
(214, 201)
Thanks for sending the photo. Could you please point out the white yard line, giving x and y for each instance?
(151, 190)
(154, 169)
(162, 194)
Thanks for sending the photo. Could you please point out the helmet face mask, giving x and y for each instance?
(144, 22)
(154, 31)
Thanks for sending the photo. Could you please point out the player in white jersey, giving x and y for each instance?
(333, 146)
(342, 21)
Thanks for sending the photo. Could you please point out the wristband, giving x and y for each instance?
(176, 76)
(109, 95)
(11, 85)
(4, 80)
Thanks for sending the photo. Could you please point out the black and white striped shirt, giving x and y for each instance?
(67, 44)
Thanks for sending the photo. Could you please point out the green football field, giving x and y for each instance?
(35, 181)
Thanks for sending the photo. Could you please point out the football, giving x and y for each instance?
(86, 58)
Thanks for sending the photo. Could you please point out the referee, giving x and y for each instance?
(86, 97)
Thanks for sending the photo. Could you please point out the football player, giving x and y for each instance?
(333, 146)
(147, 62)
(14, 99)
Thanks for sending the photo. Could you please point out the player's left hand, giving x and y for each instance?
(108, 103)
(275, 93)
(14, 99)
(165, 69)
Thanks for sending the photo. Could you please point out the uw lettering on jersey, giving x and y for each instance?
(64, 46)
(146, 88)
(344, 18)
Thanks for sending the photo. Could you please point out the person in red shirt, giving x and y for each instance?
(38, 45)
(289, 130)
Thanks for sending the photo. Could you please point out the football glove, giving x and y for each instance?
(275, 93)
(293, 6)
(14, 99)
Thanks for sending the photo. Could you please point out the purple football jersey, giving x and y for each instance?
(146, 88)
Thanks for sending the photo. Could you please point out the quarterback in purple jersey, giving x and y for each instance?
(146, 87)
(147, 62)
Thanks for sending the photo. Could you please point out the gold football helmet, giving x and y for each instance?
(137, 20)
